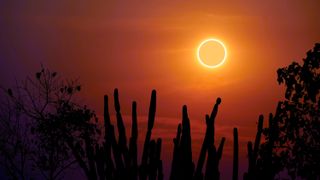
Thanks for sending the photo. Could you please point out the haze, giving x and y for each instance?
(137, 47)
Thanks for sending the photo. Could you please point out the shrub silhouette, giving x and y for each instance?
(292, 138)
(39, 119)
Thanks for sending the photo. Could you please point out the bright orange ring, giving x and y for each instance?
(211, 40)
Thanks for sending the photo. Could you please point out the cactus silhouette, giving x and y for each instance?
(208, 144)
(108, 166)
(262, 165)
(133, 149)
(146, 148)
(175, 160)
(253, 152)
(267, 168)
(122, 142)
(185, 147)
(182, 164)
(235, 154)
(115, 159)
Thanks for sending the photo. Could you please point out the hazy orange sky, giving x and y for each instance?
(144, 45)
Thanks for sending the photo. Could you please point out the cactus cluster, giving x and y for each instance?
(253, 152)
(182, 164)
(151, 163)
(116, 158)
(260, 160)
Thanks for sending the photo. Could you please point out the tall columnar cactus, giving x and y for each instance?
(155, 164)
(208, 139)
(273, 132)
(269, 169)
(119, 169)
(146, 148)
(99, 156)
(265, 167)
(253, 153)
(220, 149)
(235, 154)
(258, 137)
(152, 166)
(202, 156)
(133, 149)
(176, 152)
(107, 142)
(212, 168)
(250, 162)
(159, 167)
(160, 171)
(185, 147)
(121, 128)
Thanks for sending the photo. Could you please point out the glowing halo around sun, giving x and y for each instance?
(215, 41)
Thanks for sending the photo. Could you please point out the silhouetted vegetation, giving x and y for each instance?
(182, 163)
(293, 135)
(235, 154)
(38, 121)
(254, 171)
(43, 132)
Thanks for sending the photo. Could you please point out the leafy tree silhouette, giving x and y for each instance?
(14, 142)
(293, 135)
(37, 117)
(41, 126)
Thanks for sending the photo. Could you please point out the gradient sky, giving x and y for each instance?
(145, 45)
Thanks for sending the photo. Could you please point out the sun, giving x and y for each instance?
(211, 53)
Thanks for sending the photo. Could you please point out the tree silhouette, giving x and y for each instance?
(14, 142)
(38, 115)
(293, 135)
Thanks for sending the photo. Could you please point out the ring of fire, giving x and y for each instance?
(215, 41)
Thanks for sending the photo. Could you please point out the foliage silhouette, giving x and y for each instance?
(44, 114)
(293, 135)
(14, 144)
